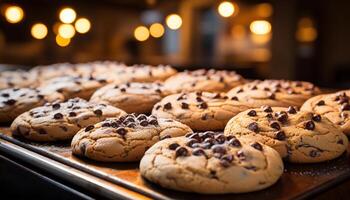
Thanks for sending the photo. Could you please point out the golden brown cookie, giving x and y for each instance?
(298, 136)
(211, 163)
(126, 138)
(336, 107)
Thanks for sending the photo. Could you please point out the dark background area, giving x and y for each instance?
(205, 39)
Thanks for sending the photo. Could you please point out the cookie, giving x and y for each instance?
(278, 93)
(148, 73)
(199, 110)
(17, 79)
(126, 138)
(211, 163)
(131, 97)
(299, 136)
(15, 101)
(73, 86)
(47, 72)
(336, 107)
(61, 121)
(203, 80)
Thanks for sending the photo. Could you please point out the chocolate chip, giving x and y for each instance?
(121, 131)
(207, 134)
(198, 152)
(40, 96)
(131, 125)
(191, 142)
(275, 125)
(199, 93)
(239, 91)
(210, 141)
(10, 101)
(316, 118)
(344, 115)
(252, 113)
(195, 136)
(116, 87)
(218, 149)
(181, 151)
(280, 135)
(158, 90)
(167, 106)
(204, 117)
(272, 96)
(89, 128)
(234, 142)
(254, 88)
(158, 106)
(257, 146)
(5, 95)
(144, 123)
(266, 89)
(340, 142)
(203, 105)
(228, 158)
(267, 109)
(142, 117)
(234, 98)
(106, 124)
(225, 163)
(199, 99)
(291, 110)
(220, 138)
(310, 125)
(184, 105)
(253, 127)
(282, 117)
(98, 112)
(72, 114)
(314, 153)
(269, 116)
(241, 155)
(58, 116)
(153, 122)
(345, 106)
(320, 103)
(122, 89)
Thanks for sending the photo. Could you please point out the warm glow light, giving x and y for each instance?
(156, 30)
(306, 31)
(174, 21)
(226, 9)
(55, 27)
(62, 42)
(141, 33)
(260, 27)
(14, 14)
(264, 10)
(67, 15)
(39, 31)
(82, 25)
(66, 30)
(238, 32)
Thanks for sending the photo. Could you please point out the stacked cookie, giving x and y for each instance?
(164, 119)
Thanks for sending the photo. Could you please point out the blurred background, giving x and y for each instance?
(291, 39)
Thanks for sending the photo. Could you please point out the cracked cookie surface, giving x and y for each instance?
(278, 93)
(203, 80)
(126, 138)
(211, 163)
(131, 97)
(336, 107)
(61, 121)
(299, 136)
(15, 101)
(199, 110)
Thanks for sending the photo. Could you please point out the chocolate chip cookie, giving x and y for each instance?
(199, 110)
(211, 163)
(148, 73)
(336, 107)
(281, 93)
(203, 80)
(131, 97)
(61, 121)
(126, 138)
(15, 101)
(298, 136)
(73, 86)
(17, 79)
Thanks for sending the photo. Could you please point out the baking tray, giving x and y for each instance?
(299, 181)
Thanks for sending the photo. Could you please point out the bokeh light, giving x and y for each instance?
(156, 30)
(66, 30)
(260, 27)
(226, 9)
(67, 15)
(141, 33)
(306, 31)
(62, 42)
(173, 21)
(14, 14)
(264, 10)
(82, 25)
(39, 31)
